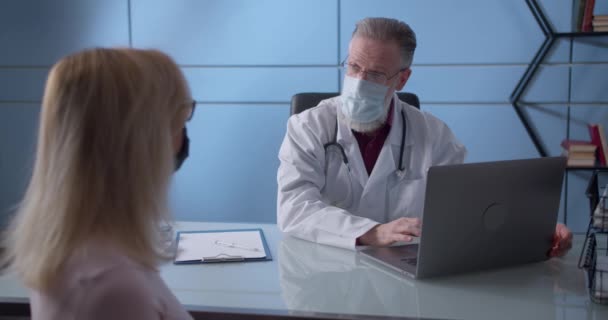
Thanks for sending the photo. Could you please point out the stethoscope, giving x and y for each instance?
(334, 143)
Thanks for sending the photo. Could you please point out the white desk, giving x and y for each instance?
(306, 279)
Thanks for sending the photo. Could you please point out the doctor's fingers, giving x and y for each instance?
(412, 230)
(409, 221)
(410, 226)
(396, 237)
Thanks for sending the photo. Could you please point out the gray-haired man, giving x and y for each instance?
(353, 169)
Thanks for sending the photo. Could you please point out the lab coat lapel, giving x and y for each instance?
(346, 138)
(410, 138)
(385, 172)
(385, 165)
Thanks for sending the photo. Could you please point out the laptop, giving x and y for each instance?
(481, 216)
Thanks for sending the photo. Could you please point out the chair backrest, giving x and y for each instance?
(307, 100)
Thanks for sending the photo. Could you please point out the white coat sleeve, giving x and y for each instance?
(301, 177)
(446, 148)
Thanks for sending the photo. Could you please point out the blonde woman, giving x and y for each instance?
(86, 237)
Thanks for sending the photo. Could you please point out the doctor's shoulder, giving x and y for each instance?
(435, 132)
(423, 126)
(319, 120)
(423, 120)
(325, 110)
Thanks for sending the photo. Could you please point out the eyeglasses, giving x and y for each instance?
(192, 108)
(353, 70)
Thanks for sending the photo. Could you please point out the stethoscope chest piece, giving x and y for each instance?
(400, 174)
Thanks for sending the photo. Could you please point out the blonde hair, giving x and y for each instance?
(104, 160)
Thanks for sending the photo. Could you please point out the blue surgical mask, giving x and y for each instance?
(363, 101)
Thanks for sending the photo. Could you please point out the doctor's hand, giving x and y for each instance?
(402, 229)
(562, 241)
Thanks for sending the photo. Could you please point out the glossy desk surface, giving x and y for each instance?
(306, 278)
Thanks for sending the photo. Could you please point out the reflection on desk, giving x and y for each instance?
(320, 278)
(311, 280)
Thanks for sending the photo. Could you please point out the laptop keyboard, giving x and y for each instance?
(411, 256)
(410, 260)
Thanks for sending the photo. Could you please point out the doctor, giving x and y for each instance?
(353, 169)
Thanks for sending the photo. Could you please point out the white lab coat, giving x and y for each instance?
(321, 200)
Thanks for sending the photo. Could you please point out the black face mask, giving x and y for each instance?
(183, 152)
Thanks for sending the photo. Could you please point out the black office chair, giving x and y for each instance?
(306, 100)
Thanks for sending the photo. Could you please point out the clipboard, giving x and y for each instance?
(216, 246)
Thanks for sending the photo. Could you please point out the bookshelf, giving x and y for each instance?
(550, 39)
(599, 169)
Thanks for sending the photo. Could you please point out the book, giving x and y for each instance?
(601, 29)
(579, 154)
(604, 142)
(577, 16)
(594, 133)
(588, 16)
(578, 145)
(580, 162)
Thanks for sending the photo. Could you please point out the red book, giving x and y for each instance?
(604, 142)
(596, 139)
(588, 16)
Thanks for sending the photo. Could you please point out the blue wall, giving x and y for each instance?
(245, 59)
